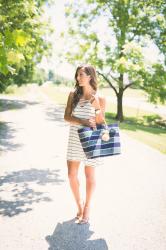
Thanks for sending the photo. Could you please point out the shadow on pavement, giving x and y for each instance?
(23, 188)
(7, 134)
(71, 236)
(7, 131)
(6, 104)
(56, 113)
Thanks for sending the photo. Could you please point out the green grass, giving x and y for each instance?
(143, 129)
(130, 111)
(153, 137)
(57, 94)
(15, 90)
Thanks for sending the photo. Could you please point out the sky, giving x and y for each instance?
(56, 12)
(57, 15)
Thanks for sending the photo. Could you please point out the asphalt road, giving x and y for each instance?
(36, 205)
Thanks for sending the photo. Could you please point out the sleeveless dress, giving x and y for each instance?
(84, 110)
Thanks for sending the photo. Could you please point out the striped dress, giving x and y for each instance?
(84, 110)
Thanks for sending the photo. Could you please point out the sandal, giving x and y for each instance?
(85, 219)
(79, 214)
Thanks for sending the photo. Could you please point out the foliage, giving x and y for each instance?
(118, 52)
(22, 45)
(62, 80)
(39, 76)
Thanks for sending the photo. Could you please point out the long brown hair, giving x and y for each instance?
(89, 70)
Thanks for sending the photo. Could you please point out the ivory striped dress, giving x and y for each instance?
(84, 110)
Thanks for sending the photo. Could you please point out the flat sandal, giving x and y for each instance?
(83, 221)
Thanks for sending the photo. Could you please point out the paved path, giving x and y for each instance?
(37, 207)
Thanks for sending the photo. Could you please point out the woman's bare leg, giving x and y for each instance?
(90, 186)
(73, 167)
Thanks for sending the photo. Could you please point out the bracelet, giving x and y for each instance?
(97, 111)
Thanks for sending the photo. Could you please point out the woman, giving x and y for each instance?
(84, 108)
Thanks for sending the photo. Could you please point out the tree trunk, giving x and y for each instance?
(119, 115)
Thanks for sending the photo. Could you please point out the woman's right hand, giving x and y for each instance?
(90, 122)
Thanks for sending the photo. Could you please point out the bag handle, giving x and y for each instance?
(105, 123)
(98, 111)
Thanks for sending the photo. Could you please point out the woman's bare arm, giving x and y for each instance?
(99, 104)
(72, 119)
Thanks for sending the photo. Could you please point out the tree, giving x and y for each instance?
(118, 52)
(51, 75)
(22, 44)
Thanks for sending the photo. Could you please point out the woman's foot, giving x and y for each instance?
(80, 211)
(85, 217)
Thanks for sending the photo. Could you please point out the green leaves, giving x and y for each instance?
(14, 57)
(21, 38)
(22, 34)
(121, 52)
(15, 38)
(154, 83)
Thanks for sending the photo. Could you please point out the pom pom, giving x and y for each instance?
(105, 136)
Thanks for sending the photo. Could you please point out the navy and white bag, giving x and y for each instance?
(101, 142)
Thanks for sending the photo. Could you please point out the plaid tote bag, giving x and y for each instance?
(102, 142)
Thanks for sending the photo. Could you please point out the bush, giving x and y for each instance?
(11, 89)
